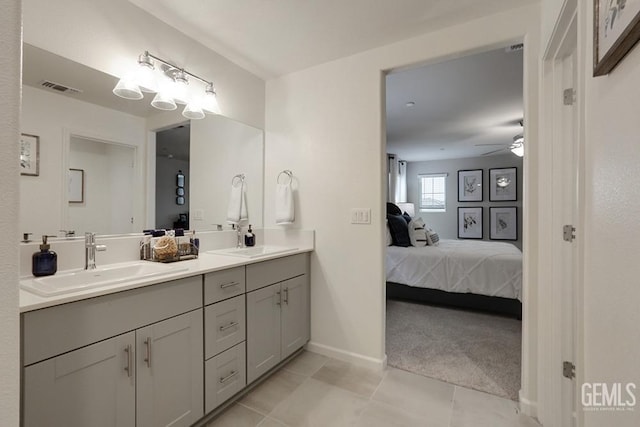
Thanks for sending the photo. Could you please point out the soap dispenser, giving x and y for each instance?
(45, 262)
(249, 237)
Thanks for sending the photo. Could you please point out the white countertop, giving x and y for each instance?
(205, 263)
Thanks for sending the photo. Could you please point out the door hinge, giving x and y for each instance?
(568, 370)
(569, 96)
(568, 233)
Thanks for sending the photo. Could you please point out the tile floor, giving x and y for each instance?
(313, 390)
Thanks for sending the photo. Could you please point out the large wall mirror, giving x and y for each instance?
(81, 125)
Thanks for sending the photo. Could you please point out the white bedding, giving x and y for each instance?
(466, 266)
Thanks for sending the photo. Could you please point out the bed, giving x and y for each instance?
(465, 273)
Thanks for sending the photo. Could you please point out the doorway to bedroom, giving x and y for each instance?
(453, 259)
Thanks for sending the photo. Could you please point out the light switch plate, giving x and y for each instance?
(360, 216)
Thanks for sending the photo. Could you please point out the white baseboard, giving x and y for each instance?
(347, 356)
(527, 406)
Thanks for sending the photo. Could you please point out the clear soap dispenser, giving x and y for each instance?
(45, 262)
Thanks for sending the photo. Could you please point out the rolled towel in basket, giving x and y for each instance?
(284, 204)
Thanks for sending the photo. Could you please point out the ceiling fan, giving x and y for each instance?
(516, 147)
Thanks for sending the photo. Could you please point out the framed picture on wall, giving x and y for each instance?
(470, 185)
(503, 185)
(616, 30)
(29, 155)
(504, 223)
(470, 223)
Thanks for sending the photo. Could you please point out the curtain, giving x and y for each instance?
(397, 170)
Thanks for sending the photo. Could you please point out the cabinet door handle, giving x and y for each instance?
(147, 358)
(279, 300)
(127, 368)
(230, 325)
(286, 296)
(228, 285)
(228, 377)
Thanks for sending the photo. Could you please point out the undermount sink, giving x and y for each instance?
(78, 280)
(252, 252)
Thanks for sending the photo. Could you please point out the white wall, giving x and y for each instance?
(612, 235)
(326, 125)
(52, 117)
(109, 36)
(10, 78)
(446, 223)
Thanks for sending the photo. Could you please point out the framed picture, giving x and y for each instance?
(29, 155)
(504, 223)
(503, 185)
(470, 223)
(76, 186)
(470, 185)
(616, 29)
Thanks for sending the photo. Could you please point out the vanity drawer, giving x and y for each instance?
(225, 375)
(224, 325)
(273, 271)
(55, 330)
(223, 284)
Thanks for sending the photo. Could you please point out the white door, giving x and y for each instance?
(295, 314)
(92, 386)
(263, 330)
(170, 373)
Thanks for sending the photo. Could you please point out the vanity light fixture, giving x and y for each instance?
(171, 85)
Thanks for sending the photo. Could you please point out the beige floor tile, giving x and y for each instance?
(274, 390)
(270, 422)
(378, 414)
(421, 396)
(478, 409)
(306, 363)
(237, 416)
(350, 377)
(316, 403)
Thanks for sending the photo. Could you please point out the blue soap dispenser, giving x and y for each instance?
(45, 262)
(249, 238)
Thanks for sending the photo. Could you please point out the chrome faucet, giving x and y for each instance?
(240, 240)
(90, 249)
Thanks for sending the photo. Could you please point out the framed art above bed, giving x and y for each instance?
(470, 223)
(503, 185)
(470, 185)
(504, 223)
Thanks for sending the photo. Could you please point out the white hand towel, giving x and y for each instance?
(284, 204)
(237, 210)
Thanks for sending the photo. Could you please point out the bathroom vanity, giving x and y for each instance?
(166, 351)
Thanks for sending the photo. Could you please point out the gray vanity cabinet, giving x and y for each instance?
(91, 386)
(132, 358)
(170, 372)
(278, 313)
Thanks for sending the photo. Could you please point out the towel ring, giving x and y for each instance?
(240, 177)
(285, 172)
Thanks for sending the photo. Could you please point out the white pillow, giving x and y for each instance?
(389, 239)
(432, 237)
(417, 232)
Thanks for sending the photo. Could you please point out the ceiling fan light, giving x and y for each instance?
(127, 89)
(518, 149)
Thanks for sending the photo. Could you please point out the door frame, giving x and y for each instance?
(564, 41)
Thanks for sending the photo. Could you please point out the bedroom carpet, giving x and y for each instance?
(471, 349)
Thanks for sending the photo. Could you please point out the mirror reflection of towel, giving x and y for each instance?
(284, 204)
(237, 211)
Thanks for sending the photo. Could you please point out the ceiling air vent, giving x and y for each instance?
(515, 47)
(58, 87)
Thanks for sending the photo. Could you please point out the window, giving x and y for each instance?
(433, 196)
